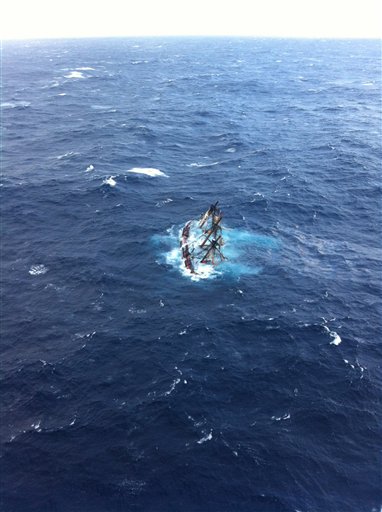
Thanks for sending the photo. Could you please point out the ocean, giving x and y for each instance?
(128, 384)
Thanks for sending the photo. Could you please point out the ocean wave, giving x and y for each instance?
(110, 181)
(286, 416)
(69, 154)
(205, 438)
(38, 270)
(336, 339)
(148, 171)
(15, 104)
(203, 165)
(159, 204)
(75, 74)
(173, 386)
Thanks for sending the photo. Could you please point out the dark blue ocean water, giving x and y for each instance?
(125, 385)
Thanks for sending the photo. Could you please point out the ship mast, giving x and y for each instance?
(212, 235)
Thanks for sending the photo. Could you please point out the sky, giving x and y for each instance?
(35, 19)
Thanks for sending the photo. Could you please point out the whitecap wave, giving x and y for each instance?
(258, 196)
(173, 386)
(89, 168)
(15, 104)
(69, 154)
(38, 270)
(159, 204)
(148, 171)
(202, 165)
(110, 181)
(205, 438)
(75, 74)
(336, 338)
(281, 418)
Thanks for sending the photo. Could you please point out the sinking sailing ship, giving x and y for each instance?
(201, 241)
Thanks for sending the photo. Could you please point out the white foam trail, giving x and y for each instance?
(148, 171)
(75, 74)
(62, 94)
(173, 386)
(85, 68)
(37, 270)
(200, 166)
(207, 437)
(230, 150)
(89, 168)
(110, 181)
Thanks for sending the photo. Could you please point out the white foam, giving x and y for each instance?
(136, 311)
(230, 150)
(280, 418)
(336, 338)
(37, 270)
(62, 94)
(67, 155)
(207, 437)
(16, 104)
(110, 181)
(173, 386)
(173, 258)
(162, 203)
(75, 74)
(148, 171)
(89, 168)
(36, 425)
(257, 195)
(85, 68)
(201, 165)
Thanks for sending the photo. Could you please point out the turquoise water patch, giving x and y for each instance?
(247, 253)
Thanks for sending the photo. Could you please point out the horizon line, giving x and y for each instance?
(193, 36)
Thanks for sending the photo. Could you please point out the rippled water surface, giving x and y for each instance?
(127, 386)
